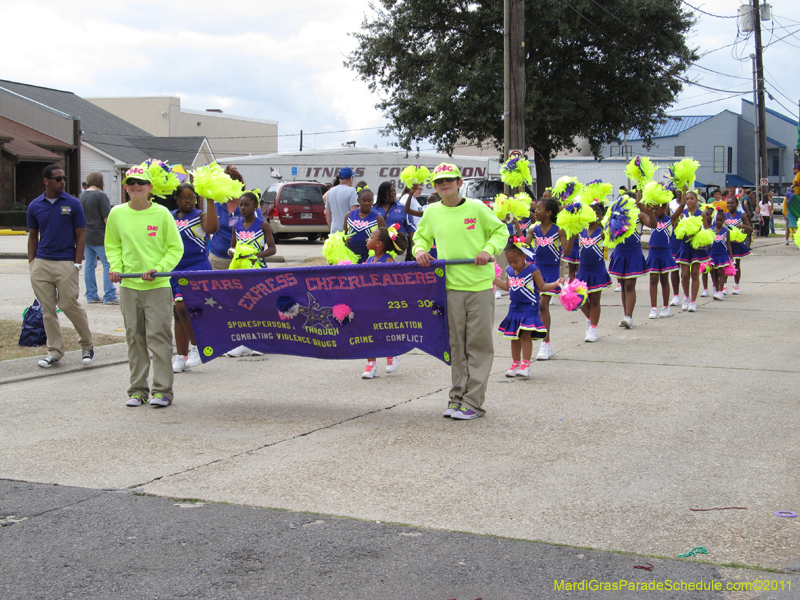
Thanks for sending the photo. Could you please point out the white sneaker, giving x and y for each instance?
(513, 369)
(591, 335)
(193, 358)
(180, 364)
(704, 294)
(692, 307)
(653, 313)
(498, 294)
(665, 312)
(136, 400)
(725, 290)
(256, 353)
(159, 400)
(719, 296)
(237, 352)
(371, 371)
(736, 291)
(524, 370)
(392, 363)
(553, 300)
(545, 351)
(618, 288)
(626, 322)
(588, 325)
(787, 242)
(676, 301)
(685, 305)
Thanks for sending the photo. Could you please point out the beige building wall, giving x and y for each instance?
(228, 135)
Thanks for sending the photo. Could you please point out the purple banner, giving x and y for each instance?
(348, 311)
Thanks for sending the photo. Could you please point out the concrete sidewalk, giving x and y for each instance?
(608, 445)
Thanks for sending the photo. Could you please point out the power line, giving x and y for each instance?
(708, 13)
(712, 101)
(247, 137)
(792, 34)
(774, 99)
(690, 82)
(719, 73)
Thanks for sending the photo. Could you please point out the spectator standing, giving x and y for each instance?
(56, 226)
(772, 216)
(765, 210)
(392, 212)
(96, 207)
(341, 200)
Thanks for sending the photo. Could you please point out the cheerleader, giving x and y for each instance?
(360, 223)
(522, 323)
(627, 265)
(659, 256)
(592, 271)
(721, 253)
(690, 258)
(252, 231)
(547, 240)
(735, 218)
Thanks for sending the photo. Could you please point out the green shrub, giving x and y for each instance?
(13, 218)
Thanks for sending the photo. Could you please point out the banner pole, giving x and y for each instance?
(453, 261)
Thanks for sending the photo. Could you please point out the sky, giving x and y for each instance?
(283, 60)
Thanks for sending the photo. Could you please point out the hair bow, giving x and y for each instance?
(520, 242)
(256, 192)
(393, 230)
(363, 187)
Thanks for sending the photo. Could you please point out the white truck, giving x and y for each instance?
(369, 164)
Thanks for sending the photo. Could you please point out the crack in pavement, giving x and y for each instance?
(4, 522)
(281, 441)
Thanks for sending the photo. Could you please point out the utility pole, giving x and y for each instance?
(762, 109)
(301, 140)
(756, 144)
(514, 77)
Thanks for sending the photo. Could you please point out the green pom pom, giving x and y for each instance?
(572, 223)
(688, 226)
(243, 256)
(704, 237)
(655, 194)
(211, 181)
(335, 249)
(796, 238)
(641, 170)
(683, 173)
(594, 191)
(414, 175)
(164, 180)
(736, 235)
(519, 206)
(516, 172)
(566, 189)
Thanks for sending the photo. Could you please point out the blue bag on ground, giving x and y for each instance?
(33, 326)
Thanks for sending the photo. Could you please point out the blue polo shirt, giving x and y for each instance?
(56, 223)
(221, 241)
(395, 214)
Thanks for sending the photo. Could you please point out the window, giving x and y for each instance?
(614, 150)
(628, 151)
(730, 160)
(719, 159)
(680, 150)
(775, 166)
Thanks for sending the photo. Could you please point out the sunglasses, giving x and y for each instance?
(137, 182)
(446, 179)
(60, 178)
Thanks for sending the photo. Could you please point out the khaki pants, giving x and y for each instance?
(55, 283)
(470, 322)
(217, 263)
(148, 326)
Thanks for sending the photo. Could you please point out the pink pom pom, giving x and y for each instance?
(730, 270)
(573, 294)
(497, 270)
(345, 262)
(341, 312)
(705, 267)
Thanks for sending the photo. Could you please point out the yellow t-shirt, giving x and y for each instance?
(796, 183)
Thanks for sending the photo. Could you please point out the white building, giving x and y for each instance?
(163, 116)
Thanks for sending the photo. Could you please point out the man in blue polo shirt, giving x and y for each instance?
(55, 252)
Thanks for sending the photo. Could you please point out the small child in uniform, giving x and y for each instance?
(252, 231)
(382, 240)
(360, 223)
(721, 254)
(735, 218)
(522, 324)
(592, 271)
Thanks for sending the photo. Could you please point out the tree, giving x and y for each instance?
(594, 69)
